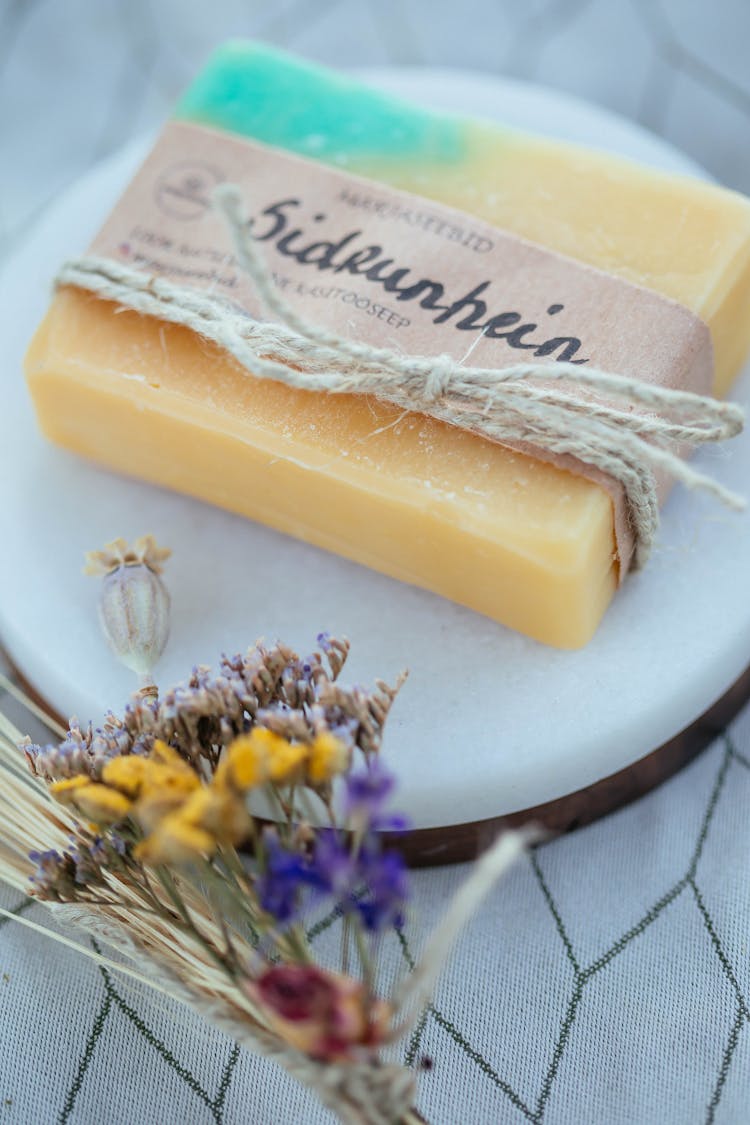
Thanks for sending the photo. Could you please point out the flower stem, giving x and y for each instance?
(166, 880)
(365, 959)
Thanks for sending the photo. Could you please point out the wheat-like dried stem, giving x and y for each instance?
(33, 708)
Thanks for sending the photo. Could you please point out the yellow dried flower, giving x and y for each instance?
(162, 795)
(327, 757)
(159, 778)
(167, 781)
(101, 804)
(126, 773)
(266, 739)
(176, 842)
(283, 758)
(207, 818)
(218, 812)
(252, 759)
(245, 762)
(286, 763)
(64, 791)
(165, 755)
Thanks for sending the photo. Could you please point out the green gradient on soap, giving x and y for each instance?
(274, 98)
(686, 240)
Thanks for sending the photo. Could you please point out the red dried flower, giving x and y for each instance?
(326, 1015)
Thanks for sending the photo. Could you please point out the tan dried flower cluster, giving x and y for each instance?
(272, 687)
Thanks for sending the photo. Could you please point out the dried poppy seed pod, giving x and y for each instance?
(133, 603)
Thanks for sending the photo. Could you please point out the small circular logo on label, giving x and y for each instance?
(183, 191)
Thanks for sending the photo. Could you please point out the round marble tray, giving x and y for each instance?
(489, 722)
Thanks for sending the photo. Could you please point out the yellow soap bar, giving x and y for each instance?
(521, 541)
(428, 503)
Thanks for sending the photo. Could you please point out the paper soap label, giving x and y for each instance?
(391, 269)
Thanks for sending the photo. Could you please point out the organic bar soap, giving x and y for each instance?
(508, 535)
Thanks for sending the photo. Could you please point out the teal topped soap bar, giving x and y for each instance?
(685, 239)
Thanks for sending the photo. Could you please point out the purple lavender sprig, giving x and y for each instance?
(354, 870)
(74, 875)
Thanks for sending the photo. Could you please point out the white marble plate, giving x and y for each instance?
(489, 722)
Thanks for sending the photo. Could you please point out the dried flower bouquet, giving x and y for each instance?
(152, 833)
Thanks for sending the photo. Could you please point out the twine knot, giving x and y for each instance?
(438, 378)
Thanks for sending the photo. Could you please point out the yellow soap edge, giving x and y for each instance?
(100, 447)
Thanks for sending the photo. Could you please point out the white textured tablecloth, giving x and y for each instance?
(607, 980)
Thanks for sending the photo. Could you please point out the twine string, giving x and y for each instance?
(630, 437)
